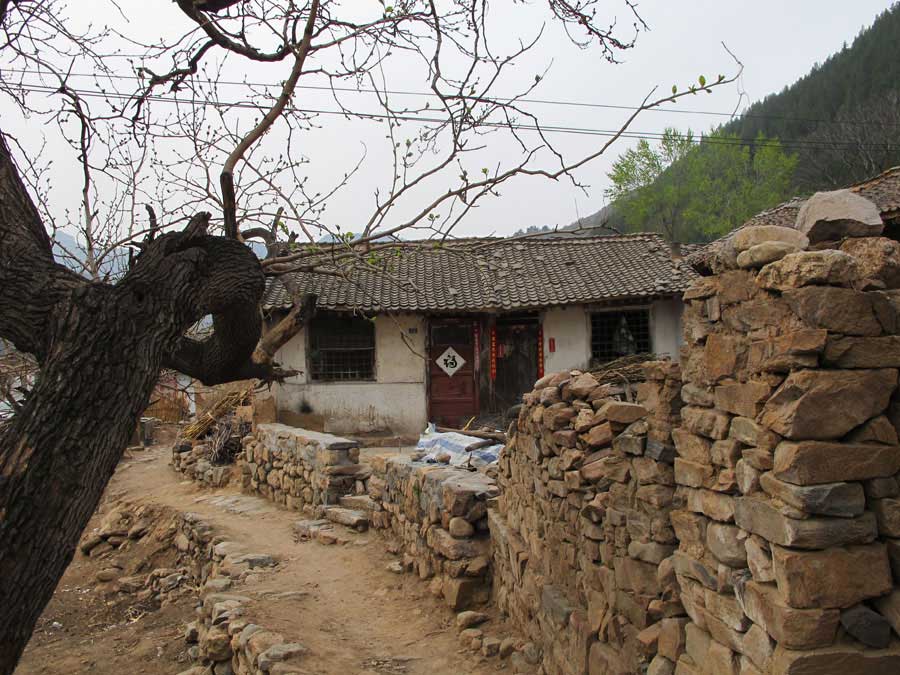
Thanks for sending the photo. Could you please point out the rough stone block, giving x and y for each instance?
(636, 576)
(744, 399)
(624, 413)
(835, 577)
(887, 513)
(758, 647)
(814, 463)
(749, 432)
(877, 257)
(792, 628)
(463, 592)
(869, 627)
(726, 543)
(672, 638)
(692, 447)
(863, 352)
(706, 422)
(846, 659)
(823, 404)
(846, 500)
(759, 559)
(830, 216)
(839, 310)
(763, 518)
(762, 254)
(716, 505)
(781, 354)
(748, 237)
(889, 607)
(809, 268)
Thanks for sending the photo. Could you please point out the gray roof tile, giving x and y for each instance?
(470, 275)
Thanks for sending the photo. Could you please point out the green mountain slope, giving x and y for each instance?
(843, 117)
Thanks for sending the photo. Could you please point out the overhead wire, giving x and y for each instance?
(431, 94)
(420, 119)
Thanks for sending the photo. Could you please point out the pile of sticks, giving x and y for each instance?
(206, 419)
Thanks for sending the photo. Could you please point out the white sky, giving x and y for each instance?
(777, 40)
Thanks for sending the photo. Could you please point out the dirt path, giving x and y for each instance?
(339, 601)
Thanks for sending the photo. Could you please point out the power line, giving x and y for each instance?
(419, 119)
(431, 94)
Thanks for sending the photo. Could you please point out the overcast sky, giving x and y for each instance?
(777, 41)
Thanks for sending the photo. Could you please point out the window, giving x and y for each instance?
(617, 334)
(341, 348)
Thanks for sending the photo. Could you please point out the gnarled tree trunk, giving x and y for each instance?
(100, 348)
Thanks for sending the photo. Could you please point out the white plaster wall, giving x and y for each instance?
(395, 402)
(400, 349)
(571, 330)
(665, 327)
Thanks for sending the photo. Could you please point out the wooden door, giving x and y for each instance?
(453, 394)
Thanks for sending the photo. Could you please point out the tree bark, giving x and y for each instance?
(100, 349)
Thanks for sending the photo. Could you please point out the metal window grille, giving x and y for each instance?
(342, 348)
(617, 334)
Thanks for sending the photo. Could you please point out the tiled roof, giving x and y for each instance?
(501, 275)
(883, 190)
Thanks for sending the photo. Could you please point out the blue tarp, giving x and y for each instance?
(455, 445)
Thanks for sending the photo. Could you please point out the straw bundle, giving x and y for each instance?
(208, 417)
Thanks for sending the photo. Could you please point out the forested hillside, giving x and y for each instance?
(843, 117)
(837, 125)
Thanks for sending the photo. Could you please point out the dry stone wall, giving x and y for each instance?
(191, 459)
(745, 517)
(438, 515)
(788, 455)
(582, 524)
(298, 468)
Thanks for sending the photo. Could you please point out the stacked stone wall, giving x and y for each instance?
(191, 459)
(582, 521)
(788, 559)
(749, 522)
(298, 468)
(438, 515)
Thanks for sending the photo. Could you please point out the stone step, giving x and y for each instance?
(360, 503)
(349, 517)
(307, 529)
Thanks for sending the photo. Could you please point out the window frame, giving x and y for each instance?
(324, 373)
(647, 310)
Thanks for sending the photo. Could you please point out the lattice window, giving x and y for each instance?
(341, 349)
(617, 334)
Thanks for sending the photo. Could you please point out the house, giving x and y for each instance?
(460, 330)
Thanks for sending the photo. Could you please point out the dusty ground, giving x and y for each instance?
(345, 606)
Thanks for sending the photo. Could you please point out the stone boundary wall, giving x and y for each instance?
(582, 521)
(753, 524)
(789, 555)
(225, 639)
(438, 514)
(191, 460)
(298, 468)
